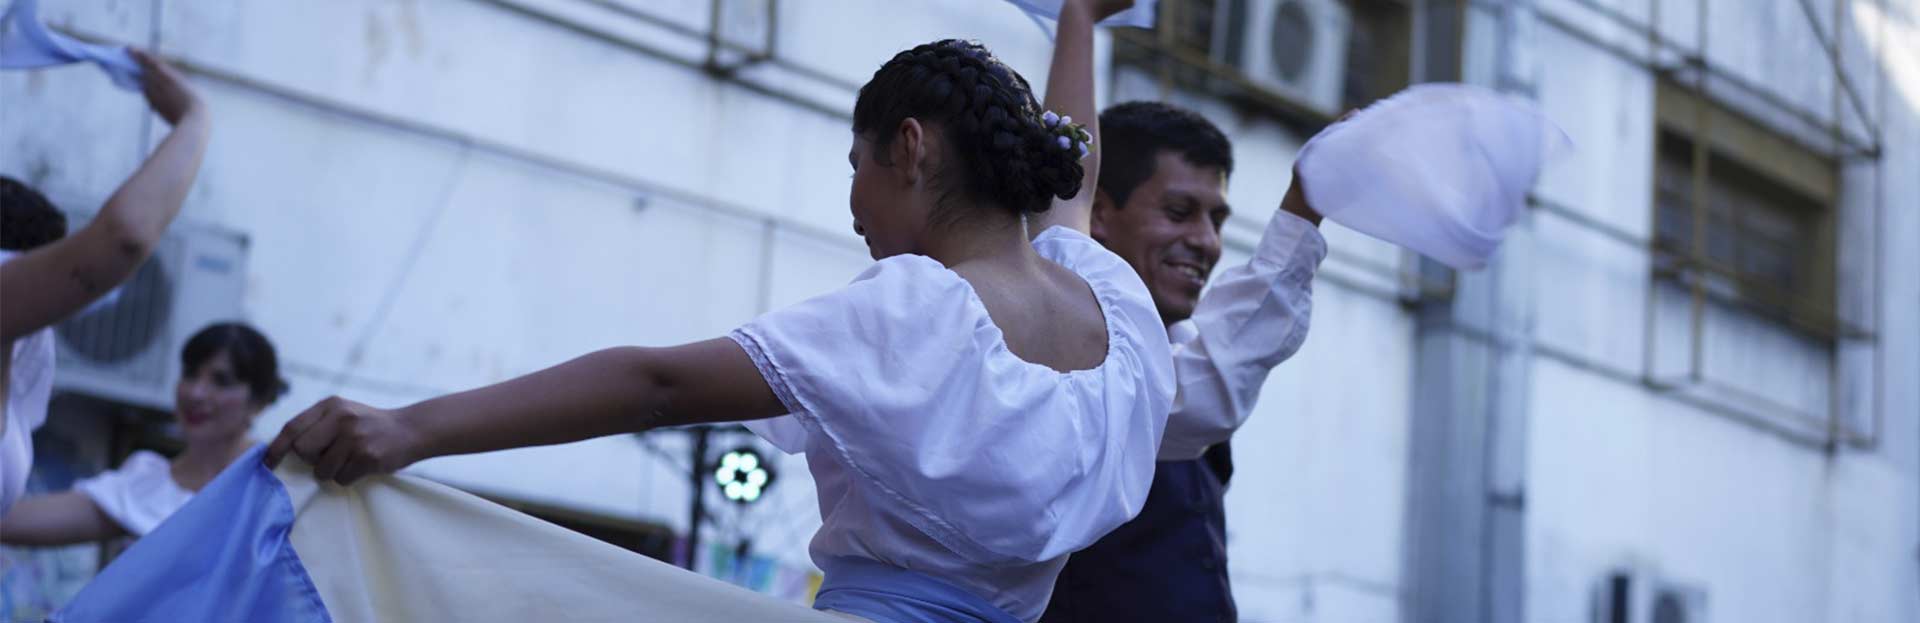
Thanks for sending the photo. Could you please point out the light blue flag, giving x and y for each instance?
(25, 43)
(222, 557)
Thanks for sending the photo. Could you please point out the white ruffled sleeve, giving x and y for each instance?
(902, 381)
(880, 345)
(1125, 423)
(139, 495)
(1253, 317)
(881, 376)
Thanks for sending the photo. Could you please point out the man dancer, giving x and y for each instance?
(1160, 204)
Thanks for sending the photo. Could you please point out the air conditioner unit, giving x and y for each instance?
(1297, 48)
(1640, 596)
(128, 348)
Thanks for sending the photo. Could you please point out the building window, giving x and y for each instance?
(1308, 60)
(1765, 228)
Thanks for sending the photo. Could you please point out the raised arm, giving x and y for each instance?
(1251, 319)
(63, 518)
(66, 275)
(1070, 93)
(618, 390)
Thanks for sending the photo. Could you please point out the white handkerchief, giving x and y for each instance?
(1442, 169)
(25, 43)
(1140, 16)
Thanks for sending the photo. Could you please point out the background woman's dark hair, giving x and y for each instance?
(1005, 155)
(250, 353)
(27, 219)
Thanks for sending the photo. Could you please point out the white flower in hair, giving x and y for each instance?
(1064, 143)
(1050, 119)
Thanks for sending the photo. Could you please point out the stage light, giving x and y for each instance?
(742, 475)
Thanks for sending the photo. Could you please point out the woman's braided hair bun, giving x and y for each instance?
(1006, 153)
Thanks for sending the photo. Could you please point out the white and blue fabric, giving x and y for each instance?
(954, 480)
(275, 546)
(1442, 169)
(224, 557)
(25, 43)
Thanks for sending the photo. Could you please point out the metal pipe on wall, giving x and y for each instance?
(1702, 124)
(1836, 431)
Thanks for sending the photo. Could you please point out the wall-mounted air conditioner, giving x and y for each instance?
(1637, 595)
(128, 348)
(1297, 48)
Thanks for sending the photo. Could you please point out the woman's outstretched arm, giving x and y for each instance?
(61, 278)
(613, 391)
(64, 518)
(1070, 93)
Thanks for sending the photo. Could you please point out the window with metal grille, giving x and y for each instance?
(1303, 60)
(1762, 236)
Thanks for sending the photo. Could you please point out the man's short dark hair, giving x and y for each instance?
(27, 219)
(1135, 133)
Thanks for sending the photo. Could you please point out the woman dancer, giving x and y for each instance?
(230, 375)
(974, 407)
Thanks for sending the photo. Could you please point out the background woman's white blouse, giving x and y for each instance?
(139, 495)
(938, 450)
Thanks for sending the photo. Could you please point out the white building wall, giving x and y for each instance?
(1620, 474)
